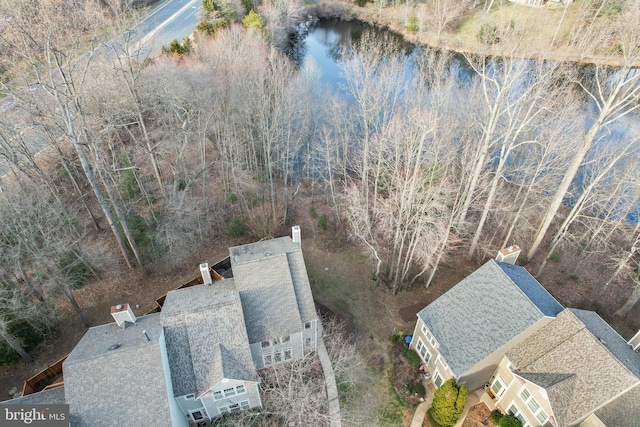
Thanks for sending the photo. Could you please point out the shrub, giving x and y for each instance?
(495, 417)
(411, 356)
(141, 230)
(254, 21)
(509, 421)
(177, 48)
(523, 260)
(448, 403)
(73, 269)
(323, 222)
(127, 183)
(412, 24)
(312, 211)
(231, 197)
(209, 5)
(555, 257)
(235, 228)
(488, 34)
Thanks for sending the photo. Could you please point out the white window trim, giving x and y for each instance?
(519, 412)
(243, 386)
(421, 346)
(526, 402)
(205, 416)
(499, 379)
(437, 374)
(264, 359)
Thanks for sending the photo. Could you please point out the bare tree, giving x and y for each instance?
(615, 93)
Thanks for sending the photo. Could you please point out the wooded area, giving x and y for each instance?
(164, 155)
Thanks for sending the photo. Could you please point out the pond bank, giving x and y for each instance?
(391, 19)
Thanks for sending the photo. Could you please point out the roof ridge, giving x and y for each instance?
(599, 342)
(496, 263)
(569, 337)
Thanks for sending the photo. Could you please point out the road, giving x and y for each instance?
(167, 20)
(172, 19)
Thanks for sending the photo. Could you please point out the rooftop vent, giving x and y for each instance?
(295, 235)
(206, 274)
(122, 314)
(509, 255)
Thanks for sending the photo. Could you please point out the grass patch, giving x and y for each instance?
(555, 257)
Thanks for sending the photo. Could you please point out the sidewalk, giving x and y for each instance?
(330, 381)
(421, 410)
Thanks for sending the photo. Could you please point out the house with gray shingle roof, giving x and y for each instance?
(574, 371)
(276, 300)
(465, 332)
(198, 358)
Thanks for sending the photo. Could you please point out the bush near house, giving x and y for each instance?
(413, 358)
(448, 403)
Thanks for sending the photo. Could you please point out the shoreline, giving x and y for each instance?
(448, 41)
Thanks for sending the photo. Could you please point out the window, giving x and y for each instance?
(437, 379)
(498, 386)
(307, 342)
(307, 325)
(224, 409)
(234, 406)
(229, 392)
(285, 339)
(275, 342)
(240, 389)
(533, 405)
(189, 396)
(217, 395)
(427, 333)
(197, 415)
(515, 411)
(265, 344)
(422, 349)
(287, 354)
(244, 404)
(277, 357)
(267, 359)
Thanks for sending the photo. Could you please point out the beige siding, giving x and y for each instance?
(427, 349)
(513, 392)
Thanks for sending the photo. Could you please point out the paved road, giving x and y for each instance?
(172, 19)
(167, 20)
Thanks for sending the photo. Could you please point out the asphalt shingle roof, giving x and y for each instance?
(484, 312)
(101, 383)
(274, 288)
(579, 372)
(47, 397)
(532, 289)
(206, 337)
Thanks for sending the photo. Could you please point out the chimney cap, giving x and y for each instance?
(119, 307)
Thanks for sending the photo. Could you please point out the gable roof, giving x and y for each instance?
(206, 337)
(577, 368)
(52, 396)
(101, 383)
(621, 410)
(485, 311)
(274, 288)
